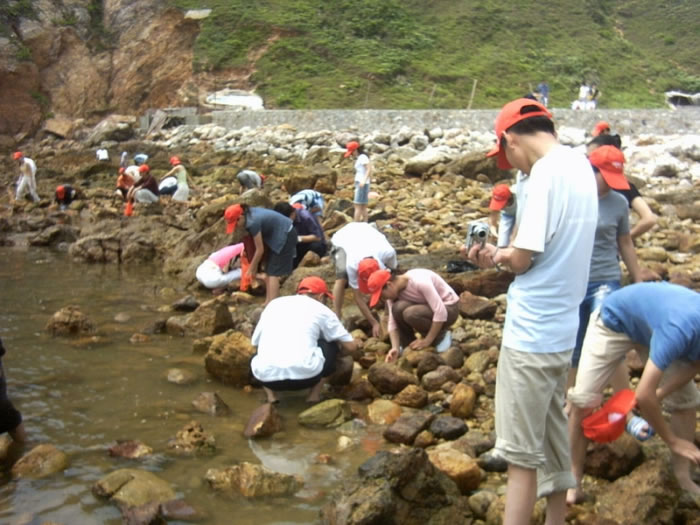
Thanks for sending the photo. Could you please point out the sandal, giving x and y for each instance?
(637, 426)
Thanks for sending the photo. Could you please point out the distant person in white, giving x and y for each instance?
(298, 340)
(27, 177)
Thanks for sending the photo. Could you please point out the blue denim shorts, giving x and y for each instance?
(361, 194)
(595, 293)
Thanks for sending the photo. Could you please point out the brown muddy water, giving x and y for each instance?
(83, 396)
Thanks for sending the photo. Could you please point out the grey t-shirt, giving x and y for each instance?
(273, 226)
(613, 221)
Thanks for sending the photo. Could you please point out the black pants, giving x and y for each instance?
(318, 247)
(330, 351)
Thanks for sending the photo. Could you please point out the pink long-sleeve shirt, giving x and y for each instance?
(426, 287)
(224, 255)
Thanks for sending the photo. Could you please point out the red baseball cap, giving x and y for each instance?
(376, 283)
(298, 206)
(232, 214)
(350, 147)
(143, 168)
(17, 155)
(500, 196)
(60, 192)
(510, 115)
(610, 162)
(365, 269)
(600, 127)
(313, 285)
(174, 161)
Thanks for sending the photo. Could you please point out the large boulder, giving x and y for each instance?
(397, 489)
(390, 379)
(98, 248)
(407, 427)
(131, 488)
(40, 462)
(329, 413)
(459, 467)
(252, 481)
(114, 127)
(472, 164)
(228, 358)
(612, 460)
(69, 321)
(426, 159)
(210, 318)
(56, 234)
(264, 422)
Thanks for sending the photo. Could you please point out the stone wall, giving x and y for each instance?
(628, 122)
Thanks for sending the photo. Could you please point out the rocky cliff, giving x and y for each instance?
(89, 58)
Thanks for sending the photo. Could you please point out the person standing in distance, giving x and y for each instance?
(27, 177)
(363, 173)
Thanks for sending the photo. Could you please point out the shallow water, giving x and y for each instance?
(82, 396)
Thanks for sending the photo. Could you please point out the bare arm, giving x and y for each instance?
(516, 260)
(629, 257)
(364, 308)
(393, 353)
(650, 407)
(429, 338)
(168, 174)
(259, 249)
(647, 218)
(368, 173)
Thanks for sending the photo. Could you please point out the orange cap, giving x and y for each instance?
(376, 283)
(350, 147)
(17, 155)
(365, 269)
(500, 196)
(232, 214)
(610, 161)
(143, 168)
(600, 127)
(60, 192)
(510, 115)
(313, 285)
(174, 161)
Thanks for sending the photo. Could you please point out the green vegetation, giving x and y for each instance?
(429, 53)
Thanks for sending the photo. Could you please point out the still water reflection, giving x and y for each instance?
(83, 395)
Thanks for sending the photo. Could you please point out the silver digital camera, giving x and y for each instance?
(477, 233)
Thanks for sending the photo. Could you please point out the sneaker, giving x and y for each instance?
(444, 344)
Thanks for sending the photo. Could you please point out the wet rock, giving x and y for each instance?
(407, 427)
(180, 376)
(192, 439)
(210, 318)
(460, 468)
(424, 439)
(186, 304)
(130, 449)
(69, 321)
(454, 357)
(329, 413)
(359, 390)
(180, 510)
(139, 338)
(55, 235)
(252, 481)
(400, 488)
(343, 371)
(612, 460)
(649, 494)
(428, 362)
(491, 463)
(40, 462)
(390, 379)
(132, 488)
(479, 441)
(448, 427)
(99, 248)
(474, 307)
(480, 501)
(383, 411)
(434, 380)
(264, 422)
(228, 358)
(212, 404)
(463, 401)
(478, 361)
(412, 396)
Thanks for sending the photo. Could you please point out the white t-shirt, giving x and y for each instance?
(134, 172)
(361, 165)
(556, 218)
(102, 154)
(31, 165)
(287, 338)
(361, 240)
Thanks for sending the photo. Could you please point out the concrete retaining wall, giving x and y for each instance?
(629, 122)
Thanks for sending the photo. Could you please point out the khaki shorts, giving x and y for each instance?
(531, 427)
(603, 350)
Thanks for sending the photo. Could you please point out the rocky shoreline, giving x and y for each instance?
(436, 411)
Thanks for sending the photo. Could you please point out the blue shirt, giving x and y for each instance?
(273, 226)
(662, 316)
(307, 224)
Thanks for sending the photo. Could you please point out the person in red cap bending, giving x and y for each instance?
(184, 182)
(363, 173)
(64, 195)
(358, 250)
(124, 183)
(417, 301)
(503, 208)
(27, 177)
(273, 245)
(550, 255)
(298, 340)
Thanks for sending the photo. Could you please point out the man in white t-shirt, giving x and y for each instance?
(298, 340)
(27, 177)
(550, 255)
(359, 250)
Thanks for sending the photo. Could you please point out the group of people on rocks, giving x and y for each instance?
(569, 321)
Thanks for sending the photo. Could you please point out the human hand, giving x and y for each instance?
(685, 449)
(482, 256)
(419, 344)
(391, 356)
(376, 329)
